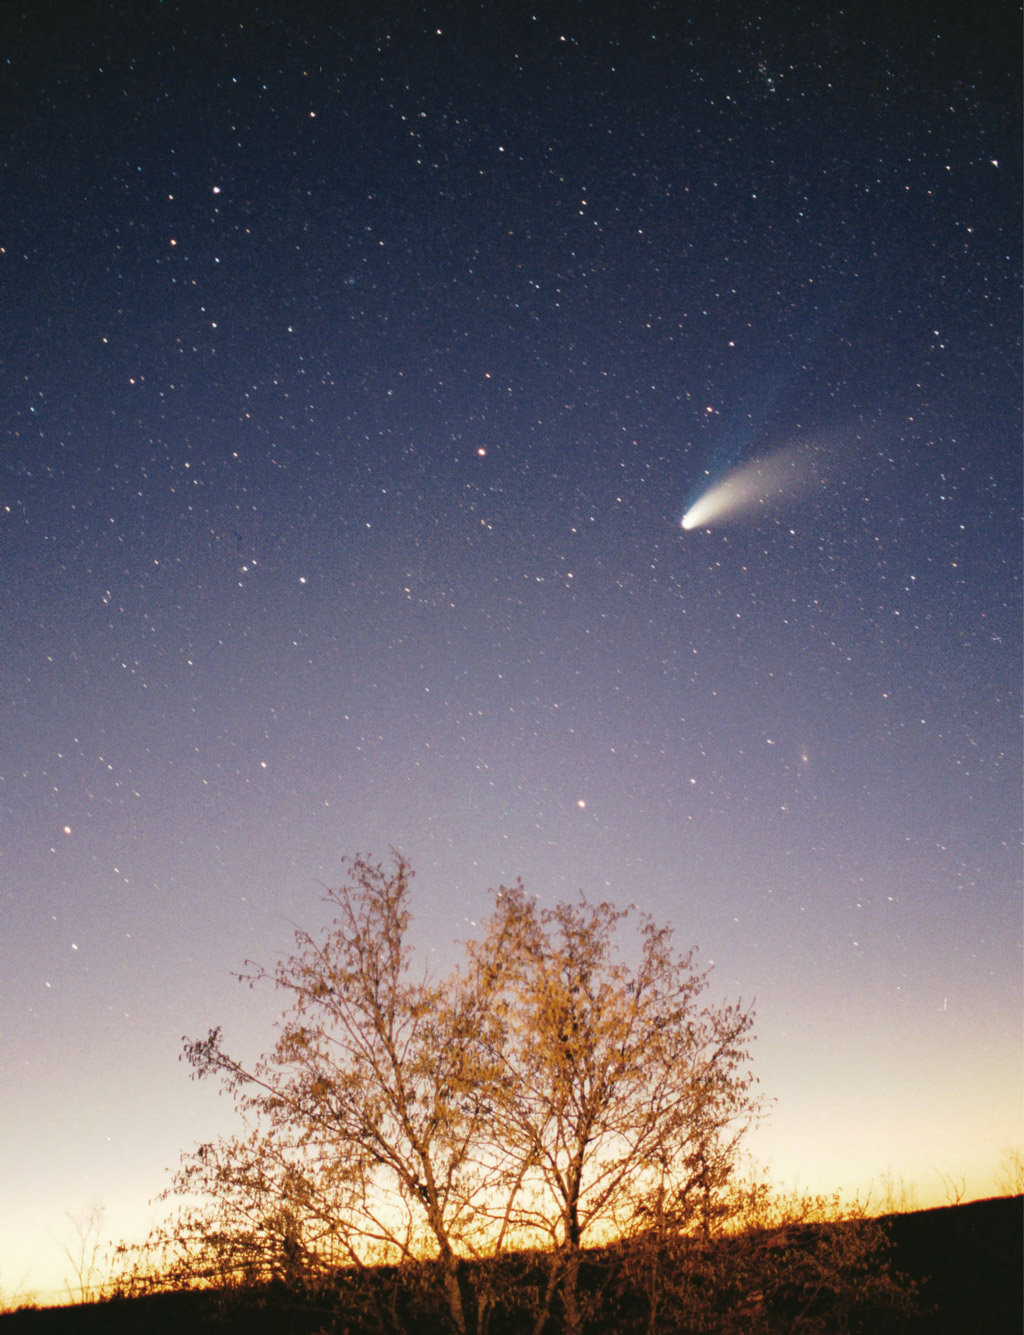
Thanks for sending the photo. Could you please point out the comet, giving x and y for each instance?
(754, 488)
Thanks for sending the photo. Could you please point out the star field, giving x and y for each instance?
(357, 373)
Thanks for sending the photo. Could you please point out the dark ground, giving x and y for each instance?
(969, 1260)
(972, 1257)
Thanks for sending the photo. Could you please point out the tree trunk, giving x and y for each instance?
(570, 1291)
(571, 1271)
(450, 1268)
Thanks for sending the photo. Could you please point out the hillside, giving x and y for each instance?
(968, 1259)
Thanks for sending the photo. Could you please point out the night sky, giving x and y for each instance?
(357, 374)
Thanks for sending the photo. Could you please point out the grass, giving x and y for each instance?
(966, 1258)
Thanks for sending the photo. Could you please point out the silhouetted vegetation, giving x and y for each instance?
(547, 1139)
(547, 1135)
(546, 1097)
(967, 1260)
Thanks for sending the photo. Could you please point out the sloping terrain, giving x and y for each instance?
(968, 1259)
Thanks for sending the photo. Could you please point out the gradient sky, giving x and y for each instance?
(356, 377)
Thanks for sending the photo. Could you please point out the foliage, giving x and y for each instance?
(773, 1263)
(548, 1134)
(618, 1093)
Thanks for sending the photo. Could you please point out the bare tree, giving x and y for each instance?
(896, 1194)
(620, 1093)
(85, 1254)
(1011, 1177)
(552, 1128)
(369, 1140)
(954, 1187)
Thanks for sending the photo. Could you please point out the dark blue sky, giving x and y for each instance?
(356, 374)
